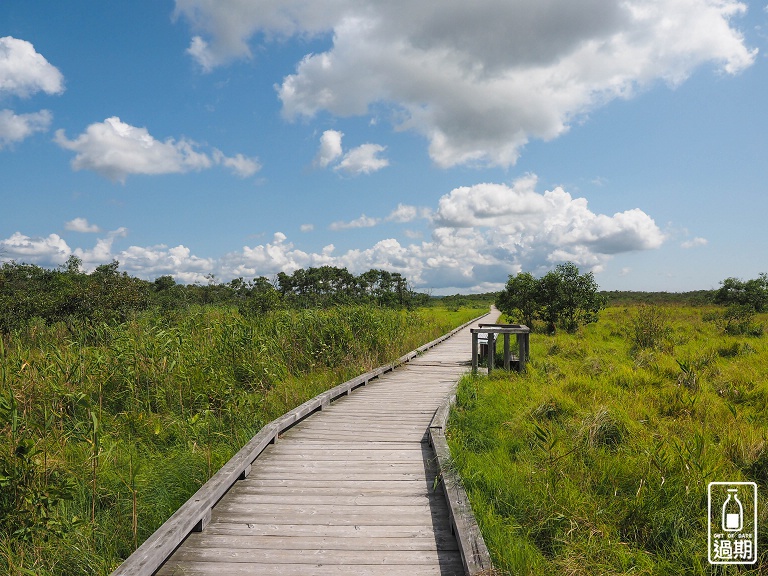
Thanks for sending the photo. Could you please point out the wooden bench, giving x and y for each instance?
(484, 344)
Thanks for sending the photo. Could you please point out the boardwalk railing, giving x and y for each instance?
(195, 513)
(474, 552)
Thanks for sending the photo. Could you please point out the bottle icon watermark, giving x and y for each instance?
(732, 522)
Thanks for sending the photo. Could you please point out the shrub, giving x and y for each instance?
(736, 319)
(648, 328)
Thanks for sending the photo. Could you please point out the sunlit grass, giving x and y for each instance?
(597, 460)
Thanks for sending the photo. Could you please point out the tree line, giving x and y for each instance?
(565, 299)
(107, 295)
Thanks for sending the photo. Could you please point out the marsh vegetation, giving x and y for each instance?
(597, 460)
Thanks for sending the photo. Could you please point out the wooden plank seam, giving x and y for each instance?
(195, 512)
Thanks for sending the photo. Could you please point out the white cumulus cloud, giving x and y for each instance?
(229, 24)
(116, 150)
(51, 249)
(477, 79)
(478, 236)
(330, 148)
(519, 221)
(239, 165)
(81, 225)
(362, 222)
(408, 213)
(155, 261)
(24, 72)
(695, 242)
(16, 127)
(363, 159)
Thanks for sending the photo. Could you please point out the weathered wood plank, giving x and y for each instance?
(418, 484)
(401, 489)
(246, 497)
(445, 568)
(330, 511)
(291, 452)
(321, 523)
(410, 531)
(354, 428)
(361, 457)
(339, 476)
(314, 444)
(359, 435)
(313, 557)
(378, 437)
(333, 466)
(209, 540)
(474, 553)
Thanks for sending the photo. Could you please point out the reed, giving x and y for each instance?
(597, 460)
(105, 432)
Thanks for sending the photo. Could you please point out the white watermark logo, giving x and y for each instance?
(732, 522)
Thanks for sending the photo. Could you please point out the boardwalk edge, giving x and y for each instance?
(192, 516)
(474, 552)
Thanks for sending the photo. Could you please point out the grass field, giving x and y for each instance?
(104, 433)
(597, 460)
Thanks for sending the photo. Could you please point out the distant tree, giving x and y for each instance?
(112, 296)
(580, 301)
(164, 283)
(329, 286)
(561, 298)
(520, 298)
(68, 295)
(73, 265)
(550, 299)
(752, 293)
(262, 297)
(742, 301)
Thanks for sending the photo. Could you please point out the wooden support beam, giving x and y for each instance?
(491, 351)
(506, 352)
(522, 345)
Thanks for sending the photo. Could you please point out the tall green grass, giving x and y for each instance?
(104, 434)
(597, 460)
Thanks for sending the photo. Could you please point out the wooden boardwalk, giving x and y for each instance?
(349, 490)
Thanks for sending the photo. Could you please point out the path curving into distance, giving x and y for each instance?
(349, 490)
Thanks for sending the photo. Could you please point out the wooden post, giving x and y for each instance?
(491, 350)
(522, 346)
(506, 351)
(474, 352)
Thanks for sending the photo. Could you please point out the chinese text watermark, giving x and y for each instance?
(732, 522)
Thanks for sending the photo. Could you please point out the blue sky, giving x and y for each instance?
(454, 142)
